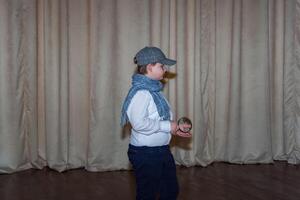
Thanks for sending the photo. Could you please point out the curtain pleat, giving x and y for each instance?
(18, 122)
(291, 86)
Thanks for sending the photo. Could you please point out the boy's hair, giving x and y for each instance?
(141, 69)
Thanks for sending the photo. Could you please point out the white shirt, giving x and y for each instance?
(148, 129)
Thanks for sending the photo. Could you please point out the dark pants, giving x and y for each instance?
(155, 172)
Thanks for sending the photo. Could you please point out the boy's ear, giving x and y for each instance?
(149, 68)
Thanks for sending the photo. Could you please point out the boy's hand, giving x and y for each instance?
(176, 131)
(183, 134)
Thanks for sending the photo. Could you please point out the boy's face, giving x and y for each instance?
(156, 71)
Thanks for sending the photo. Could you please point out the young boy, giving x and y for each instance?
(150, 116)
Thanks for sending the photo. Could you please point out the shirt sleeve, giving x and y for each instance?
(139, 117)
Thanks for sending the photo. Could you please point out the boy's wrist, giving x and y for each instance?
(174, 127)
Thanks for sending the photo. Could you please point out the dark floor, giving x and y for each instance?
(219, 181)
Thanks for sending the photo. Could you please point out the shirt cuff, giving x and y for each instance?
(165, 126)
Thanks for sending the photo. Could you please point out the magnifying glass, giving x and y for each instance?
(184, 124)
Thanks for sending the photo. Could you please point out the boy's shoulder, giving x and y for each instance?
(141, 97)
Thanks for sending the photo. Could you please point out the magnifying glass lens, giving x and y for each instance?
(185, 124)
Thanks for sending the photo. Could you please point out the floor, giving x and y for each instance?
(218, 181)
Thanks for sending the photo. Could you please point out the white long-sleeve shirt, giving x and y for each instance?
(148, 129)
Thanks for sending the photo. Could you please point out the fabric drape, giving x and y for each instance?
(66, 67)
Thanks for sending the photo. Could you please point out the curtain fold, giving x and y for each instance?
(291, 86)
(66, 67)
(18, 133)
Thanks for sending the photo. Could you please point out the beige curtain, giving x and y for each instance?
(66, 66)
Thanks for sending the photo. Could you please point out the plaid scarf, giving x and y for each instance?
(142, 82)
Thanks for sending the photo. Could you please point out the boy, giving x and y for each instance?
(150, 116)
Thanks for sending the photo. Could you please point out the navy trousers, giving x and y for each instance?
(155, 172)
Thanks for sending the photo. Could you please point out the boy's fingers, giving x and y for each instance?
(182, 134)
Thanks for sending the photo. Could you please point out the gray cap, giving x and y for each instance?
(149, 55)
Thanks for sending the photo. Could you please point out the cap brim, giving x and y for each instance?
(168, 62)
